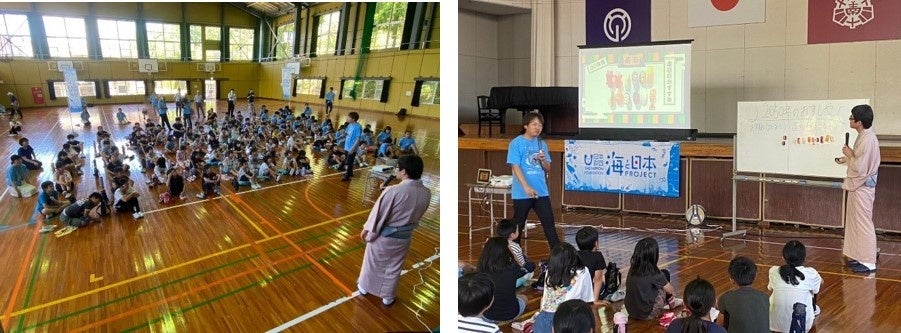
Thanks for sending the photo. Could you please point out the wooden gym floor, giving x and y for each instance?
(850, 302)
(243, 262)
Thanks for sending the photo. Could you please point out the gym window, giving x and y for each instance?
(66, 37)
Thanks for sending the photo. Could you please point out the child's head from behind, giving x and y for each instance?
(574, 316)
(644, 258)
(496, 256)
(562, 265)
(794, 254)
(742, 271)
(507, 229)
(699, 298)
(587, 238)
(475, 293)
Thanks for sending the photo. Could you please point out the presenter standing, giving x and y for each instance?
(863, 167)
(528, 156)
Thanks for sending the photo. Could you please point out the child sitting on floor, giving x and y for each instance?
(647, 288)
(744, 308)
(793, 283)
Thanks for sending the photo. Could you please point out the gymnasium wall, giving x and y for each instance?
(20, 75)
(493, 51)
(748, 62)
(403, 66)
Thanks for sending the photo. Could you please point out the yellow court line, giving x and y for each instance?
(140, 277)
(255, 226)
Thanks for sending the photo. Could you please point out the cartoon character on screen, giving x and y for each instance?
(652, 99)
(618, 98)
(611, 84)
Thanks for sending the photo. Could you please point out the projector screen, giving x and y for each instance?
(646, 86)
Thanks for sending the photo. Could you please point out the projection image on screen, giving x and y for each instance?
(635, 86)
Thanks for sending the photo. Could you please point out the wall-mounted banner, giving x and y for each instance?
(630, 167)
(71, 79)
(616, 22)
(287, 75)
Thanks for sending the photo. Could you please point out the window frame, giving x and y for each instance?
(18, 41)
(195, 46)
(133, 41)
(285, 49)
(314, 90)
(142, 92)
(232, 50)
(393, 38)
(417, 92)
(53, 86)
(54, 41)
(366, 86)
(165, 42)
(331, 34)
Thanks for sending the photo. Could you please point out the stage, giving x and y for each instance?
(705, 179)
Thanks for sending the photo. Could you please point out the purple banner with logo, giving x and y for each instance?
(614, 22)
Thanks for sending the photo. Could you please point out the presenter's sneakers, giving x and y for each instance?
(861, 268)
(387, 302)
(852, 263)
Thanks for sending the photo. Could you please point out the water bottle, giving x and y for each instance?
(619, 322)
(799, 318)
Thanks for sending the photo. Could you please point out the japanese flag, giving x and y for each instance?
(705, 13)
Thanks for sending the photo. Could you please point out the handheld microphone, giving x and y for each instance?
(388, 180)
(847, 137)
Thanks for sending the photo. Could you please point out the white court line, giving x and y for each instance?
(337, 302)
(239, 193)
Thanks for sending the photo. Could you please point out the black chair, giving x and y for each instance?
(487, 115)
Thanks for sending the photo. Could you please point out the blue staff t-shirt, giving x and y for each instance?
(405, 142)
(524, 153)
(352, 133)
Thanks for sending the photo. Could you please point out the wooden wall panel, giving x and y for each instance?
(601, 200)
(803, 205)
(886, 210)
(711, 187)
(652, 204)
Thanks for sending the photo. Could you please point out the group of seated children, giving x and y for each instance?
(578, 276)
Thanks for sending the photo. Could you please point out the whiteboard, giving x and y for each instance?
(794, 137)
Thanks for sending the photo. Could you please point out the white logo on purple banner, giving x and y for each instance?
(617, 25)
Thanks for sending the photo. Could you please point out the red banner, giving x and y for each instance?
(835, 21)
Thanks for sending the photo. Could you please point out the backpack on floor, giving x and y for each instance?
(613, 279)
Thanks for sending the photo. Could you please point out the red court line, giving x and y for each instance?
(251, 241)
(306, 195)
(294, 245)
(19, 280)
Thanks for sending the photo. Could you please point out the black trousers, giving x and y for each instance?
(164, 119)
(542, 207)
(128, 206)
(349, 162)
(231, 109)
(328, 107)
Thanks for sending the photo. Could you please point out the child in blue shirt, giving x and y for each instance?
(120, 116)
(408, 144)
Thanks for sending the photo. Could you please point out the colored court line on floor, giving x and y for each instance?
(197, 274)
(266, 279)
(306, 255)
(31, 282)
(167, 269)
(18, 286)
(337, 302)
(192, 291)
(765, 266)
(306, 195)
(250, 240)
